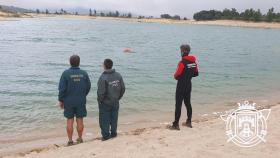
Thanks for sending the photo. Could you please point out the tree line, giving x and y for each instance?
(175, 17)
(109, 14)
(92, 12)
(233, 14)
(226, 14)
(61, 11)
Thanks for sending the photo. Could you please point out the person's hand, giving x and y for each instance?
(61, 104)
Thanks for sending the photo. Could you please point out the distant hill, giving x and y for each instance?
(12, 9)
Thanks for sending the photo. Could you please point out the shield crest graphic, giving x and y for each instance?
(246, 126)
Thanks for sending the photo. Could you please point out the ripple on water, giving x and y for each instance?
(35, 53)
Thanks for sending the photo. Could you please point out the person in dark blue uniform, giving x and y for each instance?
(73, 88)
(111, 89)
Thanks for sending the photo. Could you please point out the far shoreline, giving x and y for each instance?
(226, 23)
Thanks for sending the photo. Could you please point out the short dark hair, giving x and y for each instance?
(75, 60)
(108, 63)
(185, 48)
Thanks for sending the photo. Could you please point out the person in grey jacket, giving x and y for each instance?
(111, 88)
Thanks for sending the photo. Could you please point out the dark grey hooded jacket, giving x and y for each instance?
(111, 88)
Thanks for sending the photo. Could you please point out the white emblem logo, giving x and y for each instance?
(246, 126)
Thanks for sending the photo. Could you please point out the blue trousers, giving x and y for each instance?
(108, 119)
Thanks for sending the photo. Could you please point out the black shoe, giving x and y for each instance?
(104, 139)
(70, 143)
(113, 135)
(187, 124)
(173, 127)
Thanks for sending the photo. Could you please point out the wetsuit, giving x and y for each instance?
(186, 70)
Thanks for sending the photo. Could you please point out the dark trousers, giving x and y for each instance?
(108, 119)
(180, 97)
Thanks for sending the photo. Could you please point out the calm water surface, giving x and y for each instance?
(235, 63)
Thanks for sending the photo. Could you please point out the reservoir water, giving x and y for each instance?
(234, 63)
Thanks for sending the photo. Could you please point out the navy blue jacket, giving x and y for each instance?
(73, 87)
(111, 88)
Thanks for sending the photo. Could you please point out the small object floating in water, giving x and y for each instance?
(128, 50)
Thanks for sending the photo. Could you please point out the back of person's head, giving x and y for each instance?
(75, 61)
(185, 49)
(108, 64)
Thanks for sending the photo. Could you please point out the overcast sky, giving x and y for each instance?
(148, 7)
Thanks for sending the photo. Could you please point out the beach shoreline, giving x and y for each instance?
(226, 23)
(8, 16)
(161, 142)
(53, 141)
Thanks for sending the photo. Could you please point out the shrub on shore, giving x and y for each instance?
(233, 14)
(167, 16)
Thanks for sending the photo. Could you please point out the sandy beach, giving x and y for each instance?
(230, 23)
(206, 139)
(3, 16)
(236, 23)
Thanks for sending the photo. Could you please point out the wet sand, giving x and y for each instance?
(148, 133)
(206, 139)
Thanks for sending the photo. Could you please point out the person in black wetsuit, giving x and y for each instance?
(186, 70)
